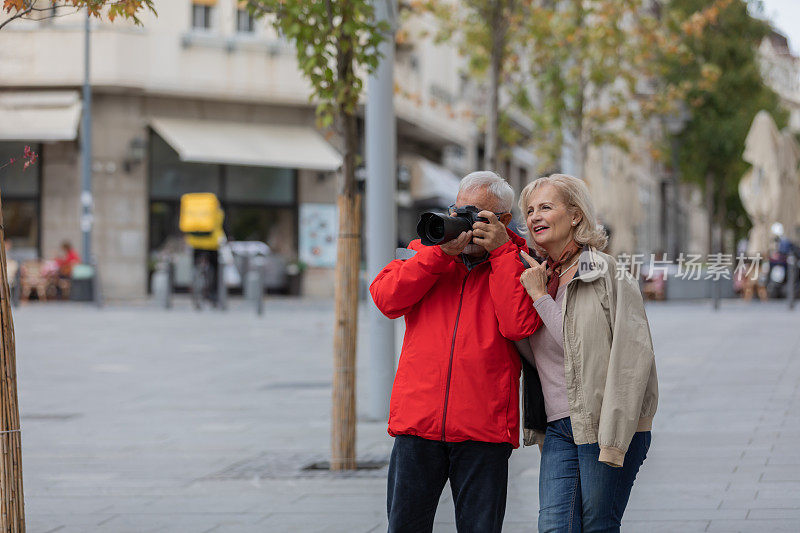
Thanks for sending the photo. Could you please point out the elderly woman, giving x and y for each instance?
(590, 388)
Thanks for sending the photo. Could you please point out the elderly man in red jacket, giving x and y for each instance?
(454, 410)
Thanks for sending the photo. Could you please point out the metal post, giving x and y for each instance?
(16, 289)
(674, 215)
(258, 263)
(86, 150)
(96, 288)
(162, 284)
(715, 293)
(171, 282)
(381, 210)
(791, 282)
(222, 288)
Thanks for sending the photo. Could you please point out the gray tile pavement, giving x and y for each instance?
(137, 419)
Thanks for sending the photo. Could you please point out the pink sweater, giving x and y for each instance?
(547, 344)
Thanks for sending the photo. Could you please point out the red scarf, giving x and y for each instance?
(555, 267)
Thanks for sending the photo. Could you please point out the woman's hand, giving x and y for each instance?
(534, 279)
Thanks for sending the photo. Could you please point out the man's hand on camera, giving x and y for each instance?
(491, 235)
(456, 246)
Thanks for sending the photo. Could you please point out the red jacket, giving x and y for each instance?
(458, 376)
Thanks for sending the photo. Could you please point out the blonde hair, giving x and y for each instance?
(575, 194)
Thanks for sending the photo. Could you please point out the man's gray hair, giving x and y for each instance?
(499, 187)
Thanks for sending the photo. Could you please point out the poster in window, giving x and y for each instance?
(318, 226)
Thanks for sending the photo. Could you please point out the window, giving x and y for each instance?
(171, 177)
(164, 218)
(276, 226)
(260, 185)
(244, 21)
(21, 198)
(260, 203)
(201, 14)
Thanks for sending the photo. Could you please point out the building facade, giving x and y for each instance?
(200, 99)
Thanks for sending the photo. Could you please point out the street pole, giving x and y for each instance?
(674, 231)
(86, 150)
(381, 210)
(791, 282)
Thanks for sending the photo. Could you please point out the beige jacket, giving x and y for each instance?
(609, 363)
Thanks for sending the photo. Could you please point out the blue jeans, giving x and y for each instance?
(578, 493)
(418, 470)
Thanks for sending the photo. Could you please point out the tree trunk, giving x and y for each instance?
(495, 73)
(348, 258)
(12, 506)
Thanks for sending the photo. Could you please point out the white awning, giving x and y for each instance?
(237, 143)
(430, 181)
(39, 115)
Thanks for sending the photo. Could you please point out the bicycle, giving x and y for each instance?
(202, 283)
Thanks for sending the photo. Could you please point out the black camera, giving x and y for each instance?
(438, 228)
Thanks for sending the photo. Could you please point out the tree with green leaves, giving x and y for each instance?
(485, 33)
(723, 36)
(42, 9)
(337, 45)
(590, 63)
(574, 67)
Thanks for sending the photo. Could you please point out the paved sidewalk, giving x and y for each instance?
(137, 419)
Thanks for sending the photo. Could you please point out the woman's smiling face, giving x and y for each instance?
(549, 220)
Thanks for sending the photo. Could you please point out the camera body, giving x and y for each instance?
(438, 228)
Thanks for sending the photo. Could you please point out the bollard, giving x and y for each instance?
(249, 286)
(162, 284)
(259, 264)
(96, 291)
(16, 289)
(222, 289)
(254, 283)
(171, 272)
(791, 282)
(245, 269)
(715, 293)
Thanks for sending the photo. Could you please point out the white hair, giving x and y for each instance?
(497, 186)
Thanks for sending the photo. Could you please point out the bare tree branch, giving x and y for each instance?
(15, 16)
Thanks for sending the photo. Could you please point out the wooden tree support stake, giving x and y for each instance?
(12, 505)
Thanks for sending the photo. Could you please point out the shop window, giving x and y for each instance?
(21, 221)
(21, 197)
(164, 223)
(276, 226)
(170, 177)
(260, 185)
(260, 203)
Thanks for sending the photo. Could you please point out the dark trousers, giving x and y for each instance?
(418, 470)
(578, 493)
(212, 256)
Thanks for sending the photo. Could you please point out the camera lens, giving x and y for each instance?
(436, 228)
